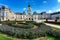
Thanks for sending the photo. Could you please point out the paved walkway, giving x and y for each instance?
(57, 26)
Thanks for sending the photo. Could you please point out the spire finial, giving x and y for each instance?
(28, 4)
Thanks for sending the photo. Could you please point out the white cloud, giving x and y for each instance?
(44, 1)
(24, 9)
(50, 11)
(58, 0)
(58, 9)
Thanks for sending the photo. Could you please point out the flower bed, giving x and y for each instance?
(23, 33)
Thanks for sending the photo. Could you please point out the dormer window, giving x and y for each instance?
(3, 7)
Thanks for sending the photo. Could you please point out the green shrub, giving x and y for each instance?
(0, 22)
(26, 26)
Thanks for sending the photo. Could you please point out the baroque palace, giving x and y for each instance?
(7, 14)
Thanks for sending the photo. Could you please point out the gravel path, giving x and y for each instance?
(57, 26)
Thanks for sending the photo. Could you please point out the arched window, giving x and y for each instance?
(29, 18)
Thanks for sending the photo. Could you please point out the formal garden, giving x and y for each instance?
(28, 30)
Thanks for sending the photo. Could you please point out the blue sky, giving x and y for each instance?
(36, 5)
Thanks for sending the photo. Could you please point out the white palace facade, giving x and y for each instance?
(7, 14)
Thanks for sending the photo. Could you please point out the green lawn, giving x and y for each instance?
(58, 20)
(3, 37)
(48, 37)
(55, 28)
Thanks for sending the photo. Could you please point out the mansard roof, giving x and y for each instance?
(55, 13)
(35, 14)
(43, 13)
(4, 7)
(18, 13)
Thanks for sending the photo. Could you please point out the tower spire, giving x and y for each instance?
(29, 9)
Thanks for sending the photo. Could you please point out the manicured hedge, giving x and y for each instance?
(24, 33)
(52, 22)
(24, 26)
(54, 33)
(41, 31)
(27, 24)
